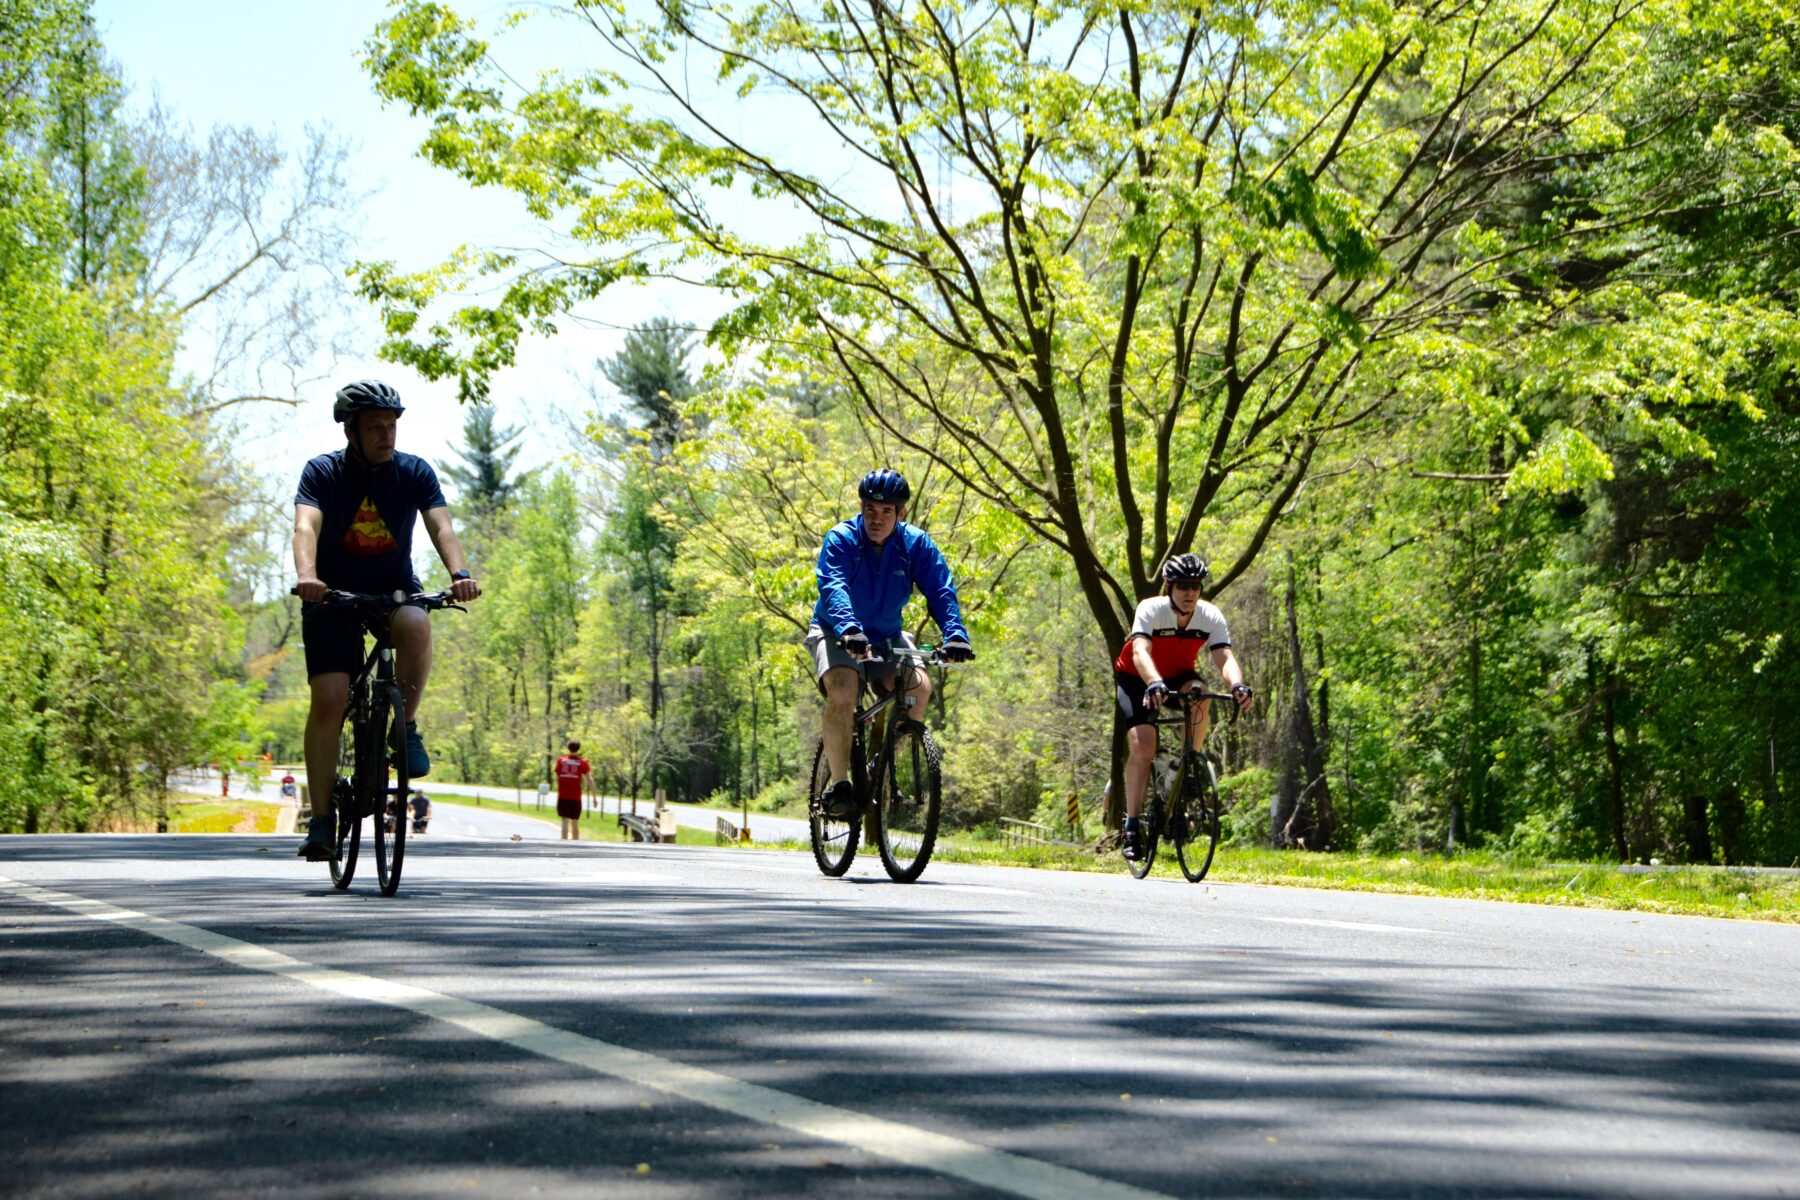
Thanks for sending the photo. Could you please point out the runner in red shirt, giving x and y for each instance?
(1160, 653)
(571, 771)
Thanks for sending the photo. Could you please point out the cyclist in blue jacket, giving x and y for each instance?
(868, 568)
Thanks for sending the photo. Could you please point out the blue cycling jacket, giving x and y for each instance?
(864, 587)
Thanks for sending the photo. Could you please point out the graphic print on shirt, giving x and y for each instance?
(368, 534)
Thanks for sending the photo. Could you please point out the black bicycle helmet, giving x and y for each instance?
(884, 485)
(1186, 568)
(362, 396)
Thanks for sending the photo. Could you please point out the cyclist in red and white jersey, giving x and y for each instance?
(1160, 653)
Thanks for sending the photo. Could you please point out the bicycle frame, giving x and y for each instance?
(897, 697)
(1166, 808)
(374, 716)
(887, 804)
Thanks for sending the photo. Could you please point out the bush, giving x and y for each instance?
(1247, 798)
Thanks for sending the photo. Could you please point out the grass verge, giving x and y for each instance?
(225, 816)
(1689, 891)
(595, 827)
(1470, 875)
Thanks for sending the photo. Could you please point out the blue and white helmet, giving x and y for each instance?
(884, 485)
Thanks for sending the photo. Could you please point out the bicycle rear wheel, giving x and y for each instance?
(1195, 827)
(1156, 804)
(345, 812)
(833, 838)
(910, 798)
(390, 847)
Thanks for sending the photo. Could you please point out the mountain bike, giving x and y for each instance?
(898, 792)
(1183, 801)
(372, 747)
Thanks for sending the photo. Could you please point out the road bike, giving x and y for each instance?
(372, 747)
(898, 791)
(1182, 806)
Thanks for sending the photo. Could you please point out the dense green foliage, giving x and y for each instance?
(1462, 337)
(118, 650)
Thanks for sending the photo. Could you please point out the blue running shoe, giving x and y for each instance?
(418, 763)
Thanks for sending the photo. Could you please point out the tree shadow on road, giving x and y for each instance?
(1211, 1063)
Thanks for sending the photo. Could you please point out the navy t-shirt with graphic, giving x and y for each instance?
(366, 544)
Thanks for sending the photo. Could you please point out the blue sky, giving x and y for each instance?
(285, 66)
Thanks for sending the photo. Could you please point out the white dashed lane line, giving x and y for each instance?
(937, 1153)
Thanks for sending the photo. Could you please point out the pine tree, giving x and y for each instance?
(651, 372)
(484, 482)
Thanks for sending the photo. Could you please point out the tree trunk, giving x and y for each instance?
(1728, 805)
(1310, 823)
(1616, 774)
(1114, 814)
(1694, 828)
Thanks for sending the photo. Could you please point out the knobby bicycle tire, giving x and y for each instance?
(343, 804)
(1196, 835)
(390, 849)
(910, 801)
(833, 839)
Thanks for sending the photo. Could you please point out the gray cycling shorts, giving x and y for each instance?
(826, 654)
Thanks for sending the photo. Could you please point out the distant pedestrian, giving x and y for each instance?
(571, 771)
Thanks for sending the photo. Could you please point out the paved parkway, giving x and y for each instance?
(204, 1016)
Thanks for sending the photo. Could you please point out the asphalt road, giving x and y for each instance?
(763, 827)
(206, 1016)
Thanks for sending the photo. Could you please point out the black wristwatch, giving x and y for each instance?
(455, 575)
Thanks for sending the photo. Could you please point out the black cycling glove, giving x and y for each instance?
(956, 650)
(1155, 694)
(855, 643)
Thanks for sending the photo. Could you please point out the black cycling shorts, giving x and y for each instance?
(1130, 691)
(333, 636)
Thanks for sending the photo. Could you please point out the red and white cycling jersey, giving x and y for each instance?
(1173, 649)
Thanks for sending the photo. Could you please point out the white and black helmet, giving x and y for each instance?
(1187, 569)
(363, 395)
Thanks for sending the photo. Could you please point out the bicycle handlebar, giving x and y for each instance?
(1189, 699)
(394, 599)
(927, 655)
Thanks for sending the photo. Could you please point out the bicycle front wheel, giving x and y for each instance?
(907, 816)
(1155, 805)
(833, 838)
(345, 811)
(388, 780)
(1195, 830)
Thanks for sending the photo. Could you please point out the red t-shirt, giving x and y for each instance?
(569, 770)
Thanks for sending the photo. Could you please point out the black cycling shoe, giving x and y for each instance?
(1131, 839)
(840, 800)
(319, 845)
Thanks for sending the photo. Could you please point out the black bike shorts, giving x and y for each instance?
(1130, 691)
(333, 636)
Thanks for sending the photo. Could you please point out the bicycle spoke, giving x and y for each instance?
(1200, 824)
(909, 803)
(833, 839)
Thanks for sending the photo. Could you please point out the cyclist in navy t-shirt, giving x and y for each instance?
(353, 521)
